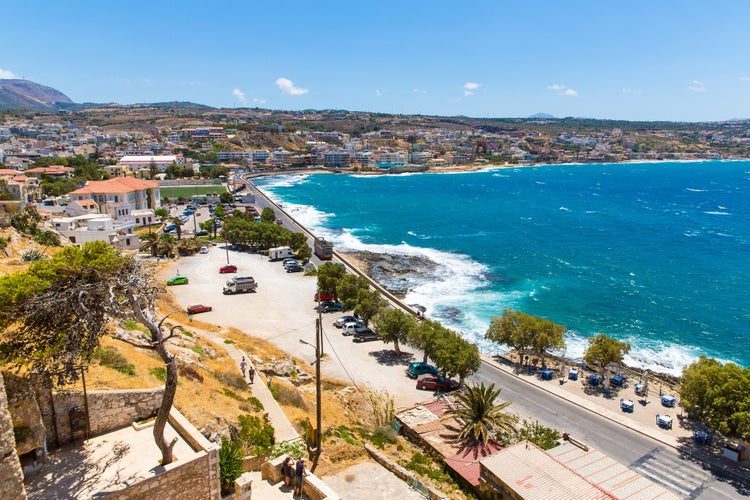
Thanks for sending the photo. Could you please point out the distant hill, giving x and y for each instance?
(543, 116)
(25, 94)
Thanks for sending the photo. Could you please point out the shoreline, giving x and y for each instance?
(364, 264)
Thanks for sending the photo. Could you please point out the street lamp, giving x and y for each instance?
(318, 410)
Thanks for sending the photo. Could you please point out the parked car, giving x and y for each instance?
(329, 306)
(177, 280)
(419, 368)
(229, 268)
(202, 232)
(279, 222)
(188, 212)
(295, 268)
(204, 250)
(288, 261)
(170, 228)
(350, 326)
(364, 334)
(339, 323)
(323, 296)
(198, 308)
(436, 383)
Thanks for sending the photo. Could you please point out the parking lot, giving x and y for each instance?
(282, 310)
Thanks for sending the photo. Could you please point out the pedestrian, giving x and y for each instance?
(287, 469)
(299, 473)
(251, 372)
(243, 366)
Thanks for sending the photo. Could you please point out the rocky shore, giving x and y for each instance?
(396, 273)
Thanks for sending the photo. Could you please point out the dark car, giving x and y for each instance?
(329, 306)
(364, 334)
(229, 268)
(419, 368)
(295, 268)
(198, 308)
(201, 232)
(436, 383)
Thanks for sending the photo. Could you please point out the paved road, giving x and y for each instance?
(659, 463)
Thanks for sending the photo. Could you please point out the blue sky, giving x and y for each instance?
(633, 60)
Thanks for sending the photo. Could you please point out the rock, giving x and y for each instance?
(282, 368)
(302, 378)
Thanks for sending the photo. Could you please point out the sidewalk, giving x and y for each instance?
(284, 430)
(642, 421)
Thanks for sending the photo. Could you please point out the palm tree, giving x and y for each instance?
(178, 226)
(150, 243)
(481, 419)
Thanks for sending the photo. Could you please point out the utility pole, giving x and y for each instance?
(318, 448)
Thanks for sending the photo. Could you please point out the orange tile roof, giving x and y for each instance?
(116, 185)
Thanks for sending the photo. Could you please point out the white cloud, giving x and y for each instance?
(287, 87)
(378, 93)
(696, 86)
(745, 78)
(470, 87)
(628, 90)
(259, 100)
(562, 90)
(240, 95)
(7, 74)
(419, 91)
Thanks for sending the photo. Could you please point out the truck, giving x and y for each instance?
(240, 284)
(279, 253)
(323, 249)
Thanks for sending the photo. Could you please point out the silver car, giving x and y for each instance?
(339, 323)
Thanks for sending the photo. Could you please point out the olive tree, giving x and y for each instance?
(604, 350)
(394, 325)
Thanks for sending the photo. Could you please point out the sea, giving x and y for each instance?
(654, 254)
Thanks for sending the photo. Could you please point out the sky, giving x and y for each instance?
(630, 59)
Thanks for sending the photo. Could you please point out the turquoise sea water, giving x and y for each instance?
(657, 254)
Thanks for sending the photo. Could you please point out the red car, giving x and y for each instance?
(436, 383)
(198, 308)
(279, 222)
(229, 268)
(323, 297)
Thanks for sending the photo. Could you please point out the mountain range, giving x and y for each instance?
(25, 94)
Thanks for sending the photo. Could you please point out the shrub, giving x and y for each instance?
(295, 449)
(383, 434)
(288, 395)
(232, 380)
(115, 360)
(231, 460)
(257, 434)
(159, 372)
(3, 243)
(231, 394)
(198, 350)
(32, 256)
(255, 403)
(189, 372)
(47, 237)
(543, 437)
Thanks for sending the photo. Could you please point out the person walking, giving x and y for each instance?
(299, 473)
(243, 366)
(251, 372)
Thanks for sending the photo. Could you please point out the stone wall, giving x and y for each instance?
(11, 476)
(108, 410)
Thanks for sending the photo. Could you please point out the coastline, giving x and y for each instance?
(645, 354)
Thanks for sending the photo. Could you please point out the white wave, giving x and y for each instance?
(715, 212)
(282, 181)
(564, 209)
(696, 190)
